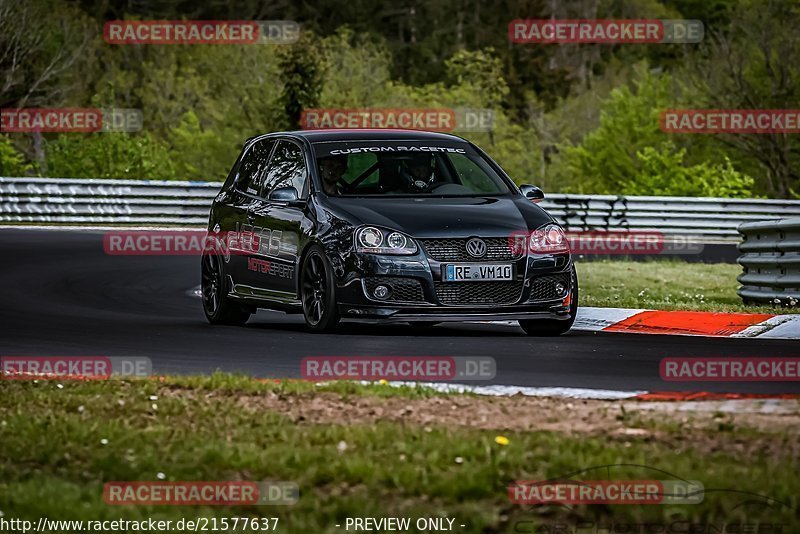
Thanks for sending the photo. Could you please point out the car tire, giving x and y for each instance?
(318, 291)
(555, 327)
(219, 309)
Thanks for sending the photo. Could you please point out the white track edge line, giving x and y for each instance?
(508, 391)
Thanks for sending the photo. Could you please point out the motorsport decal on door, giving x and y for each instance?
(262, 241)
(271, 268)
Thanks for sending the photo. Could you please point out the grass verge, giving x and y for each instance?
(665, 285)
(375, 451)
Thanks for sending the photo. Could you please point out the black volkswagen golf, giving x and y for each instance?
(383, 225)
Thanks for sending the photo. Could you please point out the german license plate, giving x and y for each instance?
(472, 272)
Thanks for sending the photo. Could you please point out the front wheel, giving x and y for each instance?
(318, 292)
(555, 327)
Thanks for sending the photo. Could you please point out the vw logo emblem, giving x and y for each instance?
(476, 247)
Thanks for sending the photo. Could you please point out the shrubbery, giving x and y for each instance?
(107, 155)
(12, 161)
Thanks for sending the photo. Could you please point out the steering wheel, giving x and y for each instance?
(418, 186)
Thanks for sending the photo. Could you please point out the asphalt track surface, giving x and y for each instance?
(63, 296)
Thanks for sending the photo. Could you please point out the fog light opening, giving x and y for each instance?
(381, 292)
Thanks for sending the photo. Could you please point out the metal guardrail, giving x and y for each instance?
(714, 219)
(771, 261)
(83, 201)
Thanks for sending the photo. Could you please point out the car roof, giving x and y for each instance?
(317, 136)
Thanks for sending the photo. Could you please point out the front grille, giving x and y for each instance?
(497, 249)
(403, 289)
(544, 287)
(463, 293)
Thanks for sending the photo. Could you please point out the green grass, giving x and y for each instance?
(665, 285)
(243, 384)
(54, 463)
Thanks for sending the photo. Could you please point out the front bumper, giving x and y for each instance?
(440, 316)
(419, 293)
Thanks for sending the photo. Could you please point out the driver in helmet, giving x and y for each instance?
(419, 172)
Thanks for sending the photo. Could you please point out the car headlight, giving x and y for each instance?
(548, 239)
(374, 240)
(370, 237)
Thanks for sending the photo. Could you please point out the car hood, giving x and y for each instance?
(443, 217)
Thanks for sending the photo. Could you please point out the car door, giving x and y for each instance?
(245, 191)
(280, 222)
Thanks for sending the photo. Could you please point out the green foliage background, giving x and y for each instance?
(570, 118)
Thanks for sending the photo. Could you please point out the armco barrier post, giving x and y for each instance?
(771, 261)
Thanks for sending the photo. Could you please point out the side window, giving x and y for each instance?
(254, 163)
(286, 169)
(234, 173)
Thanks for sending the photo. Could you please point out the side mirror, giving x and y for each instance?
(285, 194)
(532, 193)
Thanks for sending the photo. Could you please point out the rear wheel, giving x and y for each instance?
(555, 327)
(219, 309)
(318, 292)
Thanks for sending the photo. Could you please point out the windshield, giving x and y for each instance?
(363, 168)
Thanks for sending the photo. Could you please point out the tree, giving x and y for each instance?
(44, 45)
(300, 66)
(629, 154)
(606, 158)
(355, 71)
(755, 64)
(482, 69)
